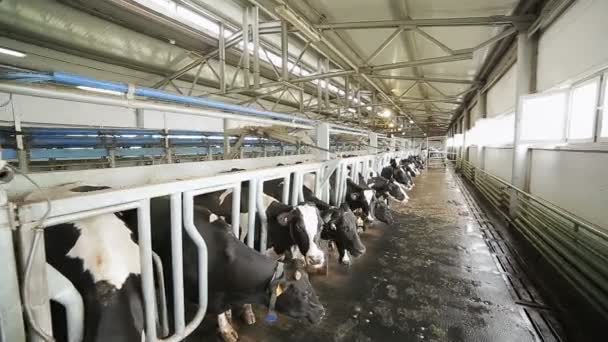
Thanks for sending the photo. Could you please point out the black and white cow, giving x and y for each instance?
(410, 167)
(237, 275)
(386, 188)
(296, 229)
(396, 172)
(360, 197)
(340, 224)
(342, 229)
(100, 257)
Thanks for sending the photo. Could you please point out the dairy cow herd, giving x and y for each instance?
(99, 255)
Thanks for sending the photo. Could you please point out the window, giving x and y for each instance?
(604, 132)
(583, 107)
(458, 140)
(544, 117)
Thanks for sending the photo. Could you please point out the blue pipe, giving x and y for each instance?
(50, 131)
(75, 80)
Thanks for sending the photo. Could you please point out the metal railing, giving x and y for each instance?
(181, 194)
(577, 249)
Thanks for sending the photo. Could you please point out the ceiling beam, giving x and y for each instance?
(425, 79)
(460, 56)
(435, 22)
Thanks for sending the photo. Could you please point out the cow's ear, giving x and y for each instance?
(283, 218)
(326, 216)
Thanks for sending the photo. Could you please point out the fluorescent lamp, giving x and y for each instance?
(299, 23)
(12, 52)
(411, 121)
(368, 107)
(385, 113)
(102, 91)
(391, 125)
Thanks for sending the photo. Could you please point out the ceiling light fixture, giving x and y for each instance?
(294, 19)
(102, 91)
(12, 52)
(385, 113)
(411, 121)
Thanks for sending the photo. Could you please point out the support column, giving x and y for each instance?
(326, 68)
(319, 89)
(524, 75)
(21, 151)
(373, 143)
(466, 121)
(246, 47)
(393, 145)
(227, 124)
(255, 27)
(284, 51)
(323, 141)
(222, 57)
(482, 105)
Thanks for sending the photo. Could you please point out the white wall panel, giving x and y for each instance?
(575, 181)
(475, 115)
(473, 156)
(59, 112)
(501, 97)
(574, 44)
(499, 162)
(157, 119)
(37, 110)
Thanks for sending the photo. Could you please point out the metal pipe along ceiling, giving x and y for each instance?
(75, 80)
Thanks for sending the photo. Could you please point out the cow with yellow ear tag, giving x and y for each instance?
(293, 295)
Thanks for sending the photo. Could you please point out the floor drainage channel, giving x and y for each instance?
(510, 265)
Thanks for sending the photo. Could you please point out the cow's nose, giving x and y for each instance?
(316, 259)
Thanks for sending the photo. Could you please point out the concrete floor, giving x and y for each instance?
(429, 277)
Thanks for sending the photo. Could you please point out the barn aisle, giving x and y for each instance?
(430, 277)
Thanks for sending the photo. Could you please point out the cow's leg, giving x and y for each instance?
(227, 332)
(247, 315)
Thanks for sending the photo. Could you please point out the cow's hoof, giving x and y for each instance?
(345, 260)
(229, 334)
(248, 316)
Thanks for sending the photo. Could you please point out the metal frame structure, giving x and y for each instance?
(337, 106)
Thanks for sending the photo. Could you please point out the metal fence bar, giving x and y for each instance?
(147, 270)
(236, 209)
(262, 215)
(251, 211)
(177, 265)
(188, 213)
(576, 249)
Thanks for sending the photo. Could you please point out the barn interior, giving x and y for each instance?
(469, 139)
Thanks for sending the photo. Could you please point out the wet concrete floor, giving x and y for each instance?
(429, 277)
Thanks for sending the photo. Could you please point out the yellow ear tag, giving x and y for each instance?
(279, 290)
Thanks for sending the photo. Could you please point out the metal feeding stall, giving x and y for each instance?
(133, 188)
(437, 151)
